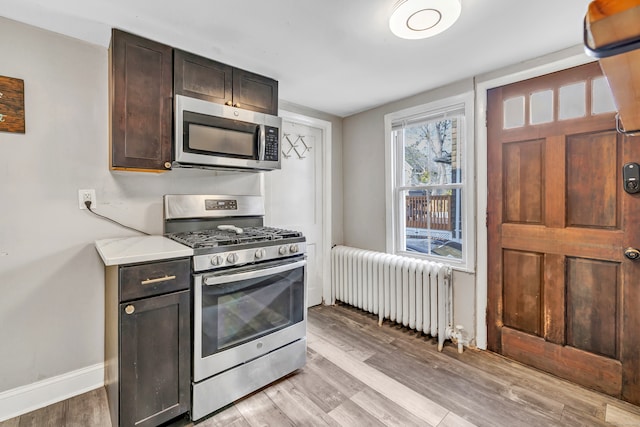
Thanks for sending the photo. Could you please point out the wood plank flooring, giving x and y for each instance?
(360, 374)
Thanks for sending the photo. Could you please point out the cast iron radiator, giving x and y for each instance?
(415, 293)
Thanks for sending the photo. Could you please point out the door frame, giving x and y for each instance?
(557, 61)
(328, 296)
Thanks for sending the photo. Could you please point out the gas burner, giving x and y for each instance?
(214, 238)
(225, 238)
(271, 233)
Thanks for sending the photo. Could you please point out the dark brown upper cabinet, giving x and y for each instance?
(203, 78)
(141, 103)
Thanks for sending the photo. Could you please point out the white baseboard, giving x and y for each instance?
(34, 396)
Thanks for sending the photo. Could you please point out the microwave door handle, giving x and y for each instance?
(261, 142)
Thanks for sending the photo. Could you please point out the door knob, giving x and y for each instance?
(632, 253)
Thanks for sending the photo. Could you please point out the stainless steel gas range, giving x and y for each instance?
(248, 294)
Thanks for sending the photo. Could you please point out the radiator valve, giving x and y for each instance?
(459, 336)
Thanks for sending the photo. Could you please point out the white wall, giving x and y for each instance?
(364, 168)
(51, 277)
(364, 188)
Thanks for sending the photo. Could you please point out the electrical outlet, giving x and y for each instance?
(87, 195)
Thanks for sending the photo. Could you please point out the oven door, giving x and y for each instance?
(239, 316)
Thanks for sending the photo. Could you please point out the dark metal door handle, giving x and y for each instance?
(632, 253)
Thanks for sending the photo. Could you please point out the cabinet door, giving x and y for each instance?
(255, 92)
(155, 372)
(141, 103)
(202, 78)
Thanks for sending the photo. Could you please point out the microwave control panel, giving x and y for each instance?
(271, 143)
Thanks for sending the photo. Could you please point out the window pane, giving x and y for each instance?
(541, 107)
(513, 112)
(432, 152)
(601, 97)
(573, 101)
(433, 223)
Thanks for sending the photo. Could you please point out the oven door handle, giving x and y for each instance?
(232, 277)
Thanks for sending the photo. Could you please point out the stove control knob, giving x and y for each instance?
(293, 249)
(260, 253)
(216, 260)
(282, 250)
(232, 258)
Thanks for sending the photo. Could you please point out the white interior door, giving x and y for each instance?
(294, 196)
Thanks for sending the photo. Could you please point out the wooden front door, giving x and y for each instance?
(562, 295)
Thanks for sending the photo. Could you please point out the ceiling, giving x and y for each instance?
(336, 56)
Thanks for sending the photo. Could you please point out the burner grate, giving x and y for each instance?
(214, 238)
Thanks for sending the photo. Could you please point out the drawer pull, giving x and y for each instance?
(158, 280)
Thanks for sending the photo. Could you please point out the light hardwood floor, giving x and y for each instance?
(360, 374)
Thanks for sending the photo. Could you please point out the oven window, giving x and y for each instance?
(240, 311)
(220, 136)
(221, 141)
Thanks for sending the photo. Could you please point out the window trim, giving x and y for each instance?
(393, 202)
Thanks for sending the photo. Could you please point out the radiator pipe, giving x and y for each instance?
(457, 336)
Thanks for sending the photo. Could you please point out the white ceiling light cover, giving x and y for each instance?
(419, 19)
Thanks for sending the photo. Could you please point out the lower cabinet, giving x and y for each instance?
(148, 343)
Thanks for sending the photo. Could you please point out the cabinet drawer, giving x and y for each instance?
(145, 280)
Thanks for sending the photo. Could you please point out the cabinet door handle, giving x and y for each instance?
(157, 280)
(129, 309)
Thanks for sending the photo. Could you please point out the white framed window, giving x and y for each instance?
(430, 176)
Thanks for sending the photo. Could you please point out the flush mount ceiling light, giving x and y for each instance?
(419, 19)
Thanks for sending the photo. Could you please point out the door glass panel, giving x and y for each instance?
(513, 112)
(240, 311)
(541, 107)
(601, 97)
(573, 101)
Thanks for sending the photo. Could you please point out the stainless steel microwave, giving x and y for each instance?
(217, 136)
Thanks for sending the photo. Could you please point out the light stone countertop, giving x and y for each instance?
(128, 250)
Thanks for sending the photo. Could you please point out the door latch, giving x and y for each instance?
(632, 253)
(631, 178)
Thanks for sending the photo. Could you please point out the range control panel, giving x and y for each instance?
(217, 205)
(272, 146)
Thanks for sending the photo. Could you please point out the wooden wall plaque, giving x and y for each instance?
(11, 105)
